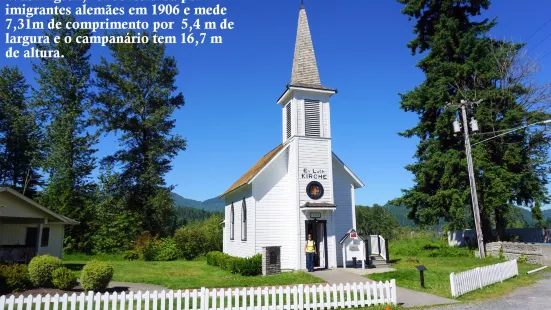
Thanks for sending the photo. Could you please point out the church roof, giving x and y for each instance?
(305, 68)
(254, 170)
(265, 160)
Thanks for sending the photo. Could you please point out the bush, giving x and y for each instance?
(250, 266)
(131, 255)
(167, 250)
(96, 275)
(191, 242)
(41, 268)
(63, 278)
(14, 278)
(150, 248)
(522, 258)
(150, 251)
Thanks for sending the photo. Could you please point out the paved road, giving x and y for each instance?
(537, 296)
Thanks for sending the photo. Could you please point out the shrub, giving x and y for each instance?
(522, 258)
(191, 242)
(167, 250)
(250, 266)
(150, 250)
(96, 275)
(14, 278)
(131, 255)
(214, 258)
(41, 268)
(63, 278)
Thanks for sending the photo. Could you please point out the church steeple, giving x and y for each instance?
(305, 68)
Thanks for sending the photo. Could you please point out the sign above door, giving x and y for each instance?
(315, 215)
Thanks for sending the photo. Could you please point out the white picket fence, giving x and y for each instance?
(480, 277)
(267, 298)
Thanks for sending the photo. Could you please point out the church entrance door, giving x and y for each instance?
(318, 229)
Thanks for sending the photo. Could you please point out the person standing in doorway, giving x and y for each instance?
(310, 250)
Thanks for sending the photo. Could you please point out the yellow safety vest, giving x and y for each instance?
(310, 246)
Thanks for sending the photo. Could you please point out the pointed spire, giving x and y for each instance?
(305, 68)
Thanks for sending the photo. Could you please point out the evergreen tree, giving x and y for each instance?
(115, 226)
(462, 62)
(20, 136)
(64, 100)
(376, 220)
(136, 96)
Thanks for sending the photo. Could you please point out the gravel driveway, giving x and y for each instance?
(537, 296)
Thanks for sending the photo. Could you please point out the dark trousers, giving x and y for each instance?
(310, 261)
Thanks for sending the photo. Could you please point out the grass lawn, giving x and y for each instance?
(182, 274)
(437, 277)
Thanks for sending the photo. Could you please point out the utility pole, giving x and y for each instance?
(472, 182)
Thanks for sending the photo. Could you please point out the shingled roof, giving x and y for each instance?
(305, 68)
(254, 170)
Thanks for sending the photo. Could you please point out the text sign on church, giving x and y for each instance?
(314, 174)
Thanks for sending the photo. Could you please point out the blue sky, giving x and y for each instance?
(231, 117)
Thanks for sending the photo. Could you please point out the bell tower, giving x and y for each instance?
(305, 103)
(306, 128)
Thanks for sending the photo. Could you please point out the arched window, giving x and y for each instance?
(232, 217)
(244, 220)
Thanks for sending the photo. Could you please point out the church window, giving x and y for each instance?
(288, 119)
(312, 118)
(231, 222)
(244, 221)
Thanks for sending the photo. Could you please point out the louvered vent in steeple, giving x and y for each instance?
(288, 116)
(312, 118)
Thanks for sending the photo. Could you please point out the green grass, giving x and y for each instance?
(182, 274)
(440, 261)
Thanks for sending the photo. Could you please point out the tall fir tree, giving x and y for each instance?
(137, 98)
(20, 136)
(64, 100)
(462, 63)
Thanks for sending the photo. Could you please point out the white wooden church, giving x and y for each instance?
(300, 187)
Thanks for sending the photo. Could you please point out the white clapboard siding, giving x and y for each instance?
(322, 296)
(480, 277)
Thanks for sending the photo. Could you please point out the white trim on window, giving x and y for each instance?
(244, 221)
(232, 222)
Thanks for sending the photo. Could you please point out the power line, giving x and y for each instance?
(540, 28)
(540, 42)
(544, 55)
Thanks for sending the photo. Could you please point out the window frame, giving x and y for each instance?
(232, 222)
(244, 220)
(45, 240)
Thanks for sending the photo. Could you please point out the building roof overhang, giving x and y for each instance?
(318, 206)
(314, 89)
(62, 219)
(350, 231)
